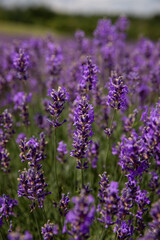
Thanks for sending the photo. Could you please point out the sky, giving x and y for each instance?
(136, 7)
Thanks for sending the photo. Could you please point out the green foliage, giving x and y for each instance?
(68, 24)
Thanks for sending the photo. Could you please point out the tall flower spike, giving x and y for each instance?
(154, 231)
(32, 186)
(108, 194)
(54, 60)
(63, 204)
(33, 150)
(55, 109)
(79, 219)
(20, 103)
(142, 200)
(83, 118)
(21, 63)
(92, 154)
(89, 79)
(6, 208)
(6, 132)
(117, 92)
(6, 127)
(62, 151)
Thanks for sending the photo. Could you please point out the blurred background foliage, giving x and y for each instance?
(39, 20)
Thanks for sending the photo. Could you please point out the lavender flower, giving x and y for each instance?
(89, 79)
(32, 186)
(6, 208)
(154, 183)
(33, 151)
(83, 118)
(21, 63)
(54, 60)
(62, 151)
(154, 230)
(150, 134)
(59, 98)
(131, 155)
(19, 236)
(127, 199)
(49, 231)
(92, 154)
(141, 199)
(79, 219)
(6, 132)
(128, 122)
(6, 127)
(20, 137)
(125, 230)
(4, 159)
(108, 195)
(20, 103)
(63, 204)
(117, 92)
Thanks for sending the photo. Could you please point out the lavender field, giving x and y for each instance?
(80, 136)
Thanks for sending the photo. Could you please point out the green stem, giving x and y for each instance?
(44, 214)
(75, 179)
(35, 218)
(55, 162)
(82, 177)
(103, 234)
(108, 137)
(2, 235)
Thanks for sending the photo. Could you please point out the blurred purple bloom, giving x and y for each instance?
(62, 151)
(6, 208)
(49, 231)
(20, 137)
(21, 63)
(19, 236)
(20, 103)
(79, 219)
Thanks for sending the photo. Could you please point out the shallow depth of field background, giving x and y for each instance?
(64, 17)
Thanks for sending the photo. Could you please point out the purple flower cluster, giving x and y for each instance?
(21, 63)
(54, 60)
(89, 79)
(20, 103)
(79, 219)
(108, 195)
(6, 132)
(129, 121)
(49, 231)
(117, 92)
(6, 208)
(55, 109)
(83, 118)
(62, 151)
(63, 204)
(31, 182)
(154, 227)
(19, 236)
(92, 154)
